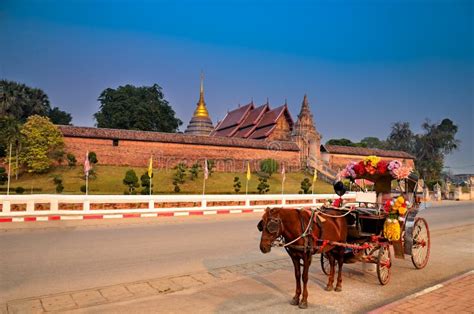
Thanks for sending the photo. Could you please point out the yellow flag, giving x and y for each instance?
(150, 167)
(315, 176)
(248, 171)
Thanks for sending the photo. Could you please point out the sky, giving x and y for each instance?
(363, 64)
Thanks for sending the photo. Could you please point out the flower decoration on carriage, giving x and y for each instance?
(373, 165)
(396, 210)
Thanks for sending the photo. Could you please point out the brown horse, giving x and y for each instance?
(291, 224)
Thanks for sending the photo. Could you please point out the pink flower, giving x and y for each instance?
(394, 164)
(401, 173)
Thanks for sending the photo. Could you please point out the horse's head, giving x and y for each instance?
(271, 228)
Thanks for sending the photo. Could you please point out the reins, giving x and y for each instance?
(333, 216)
(306, 232)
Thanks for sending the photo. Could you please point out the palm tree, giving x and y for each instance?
(10, 134)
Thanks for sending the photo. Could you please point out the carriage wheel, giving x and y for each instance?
(421, 243)
(384, 264)
(325, 266)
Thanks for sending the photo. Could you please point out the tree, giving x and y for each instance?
(58, 181)
(211, 164)
(58, 116)
(19, 101)
(3, 176)
(429, 148)
(71, 160)
(340, 142)
(269, 166)
(145, 182)
(432, 146)
(42, 140)
(263, 186)
(194, 171)
(401, 138)
(305, 186)
(10, 134)
(178, 177)
(131, 181)
(373, 142)
(237, 184)
(136, 108)
(92, 158)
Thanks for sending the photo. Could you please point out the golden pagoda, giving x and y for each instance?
(201, 123)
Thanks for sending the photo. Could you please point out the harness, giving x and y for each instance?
(309, 238)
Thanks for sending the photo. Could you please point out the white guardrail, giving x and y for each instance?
(54, 204)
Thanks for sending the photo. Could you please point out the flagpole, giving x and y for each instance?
(87, 184)
(247, 187)
(151, 185)
(9, 168)
(204, 187)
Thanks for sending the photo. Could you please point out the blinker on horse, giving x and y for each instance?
(304, 233)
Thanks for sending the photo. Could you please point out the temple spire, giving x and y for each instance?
(200, 123)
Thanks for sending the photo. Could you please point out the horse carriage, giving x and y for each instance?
(364, 230)
(383, 218)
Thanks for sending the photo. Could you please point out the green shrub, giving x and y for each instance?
(71, 160)
(269, 166)
(305, 186)
(19, 190)
(93, 158)
(83, 188)
(263, 186)
(131, 180)
(194, 171)
(237, 184)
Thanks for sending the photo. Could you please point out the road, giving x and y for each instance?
(64, 256)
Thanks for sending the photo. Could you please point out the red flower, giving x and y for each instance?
(387, 206)
(382, 167)
(359, 168)
(369, 168)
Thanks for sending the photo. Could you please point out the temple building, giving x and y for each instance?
(201, 123)
(246, 135)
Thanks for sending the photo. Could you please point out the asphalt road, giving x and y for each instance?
(53, 257)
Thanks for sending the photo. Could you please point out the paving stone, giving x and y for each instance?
(3, 309)
(115, 293)
(141, 289)
(223, 274)
(186, 281)
(58, 303)
(165, 286)
(25, 306)
(205, 277)
(88, 297)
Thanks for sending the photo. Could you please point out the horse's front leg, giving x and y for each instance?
(306, 265)
(340, 262)
(296, 264)
(332, 264)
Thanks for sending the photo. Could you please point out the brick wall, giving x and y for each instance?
(167, 155)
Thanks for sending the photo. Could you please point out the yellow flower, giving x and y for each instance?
(402, 210)
(391, 230)
(400, 200)
(374, 160)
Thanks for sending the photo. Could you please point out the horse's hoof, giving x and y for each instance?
(328, 288)
(295, 301)
(338, 289)
(303, 305)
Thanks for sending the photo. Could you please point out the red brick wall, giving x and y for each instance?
(167, 155)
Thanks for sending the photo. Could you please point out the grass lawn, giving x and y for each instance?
(109, 181)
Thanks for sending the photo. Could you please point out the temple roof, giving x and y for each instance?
(251, 122)
(363, 151)
(232, 120)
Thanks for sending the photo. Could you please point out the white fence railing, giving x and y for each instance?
(51, 204)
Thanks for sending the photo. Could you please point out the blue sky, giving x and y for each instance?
(363, 64)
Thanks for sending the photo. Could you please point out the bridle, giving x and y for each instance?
(273, 227)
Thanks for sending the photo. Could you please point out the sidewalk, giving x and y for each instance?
(452, 296)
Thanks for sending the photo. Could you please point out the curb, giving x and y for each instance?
(388, 306)
(130, 215)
